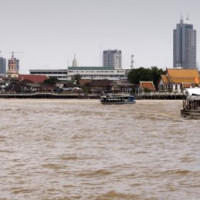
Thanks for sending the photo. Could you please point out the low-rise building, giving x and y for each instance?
(60, 74)
(33, 78)
(145, 86)
(109, 73)
(97, 86)
(176, 80)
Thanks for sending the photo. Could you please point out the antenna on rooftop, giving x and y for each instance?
(181, 18)
(100, 55)
(187, 17)
(18, 52)
(132, 61)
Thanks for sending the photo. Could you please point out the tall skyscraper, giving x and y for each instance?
(112, 58)
(2, 66)
(184, 47)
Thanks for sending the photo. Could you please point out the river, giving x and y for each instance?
(80, 149)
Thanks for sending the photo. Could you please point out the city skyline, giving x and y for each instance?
(46, 34)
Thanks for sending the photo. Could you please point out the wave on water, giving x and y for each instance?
(113, 195)
(80, 149)
(90, 173)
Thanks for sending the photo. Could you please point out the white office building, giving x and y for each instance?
(99, 73)
(112, 59)
(60, 74)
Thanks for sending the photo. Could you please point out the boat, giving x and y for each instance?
(117, 99)
(191, 105)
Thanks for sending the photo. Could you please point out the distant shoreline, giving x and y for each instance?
(90, 96)
(47, 96)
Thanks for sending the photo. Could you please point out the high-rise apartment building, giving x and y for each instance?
(184, 45)
(112, 58)
(2, 66)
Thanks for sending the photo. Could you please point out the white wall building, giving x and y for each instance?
(60, 74)
(97, 73)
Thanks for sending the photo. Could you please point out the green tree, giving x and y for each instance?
(51, 81)
(145, 74)
(76, 78)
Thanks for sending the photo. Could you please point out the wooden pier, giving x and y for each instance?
(90, 96)
(160, 96)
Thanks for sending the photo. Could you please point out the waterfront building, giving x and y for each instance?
(112, 59)
(2, 66)
(86, 72)
(33, 78)
(13, 67)
(176, 80)
(147, 86)
(184, 45)
(60, 74)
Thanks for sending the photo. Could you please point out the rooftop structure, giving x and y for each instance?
(74, 62)
(13, 67)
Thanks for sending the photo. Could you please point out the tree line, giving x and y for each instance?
(145, 74)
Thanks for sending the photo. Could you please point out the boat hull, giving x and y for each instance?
(117, 103)
(117, 99)
(193, 114)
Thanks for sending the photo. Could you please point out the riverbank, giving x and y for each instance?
(162, 96)
(48, 96)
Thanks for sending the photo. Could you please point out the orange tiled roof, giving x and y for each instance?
(181, 79)
(178, 76)
(165, 79)
(147, 84)
(183, 73)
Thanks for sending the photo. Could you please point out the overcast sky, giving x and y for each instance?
(47, 33)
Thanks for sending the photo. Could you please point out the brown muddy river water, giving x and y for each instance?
(80, 149)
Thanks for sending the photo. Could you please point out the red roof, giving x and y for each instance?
(33, 78)
(148, 85)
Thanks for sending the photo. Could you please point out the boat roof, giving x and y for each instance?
(194, 98)
(193, 91)
(117, 95)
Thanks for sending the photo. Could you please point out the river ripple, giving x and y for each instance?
(80, 149)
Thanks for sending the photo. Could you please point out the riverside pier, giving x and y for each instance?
(164, 96)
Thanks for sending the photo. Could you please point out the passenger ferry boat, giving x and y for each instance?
(117, 99)
(191, 105)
